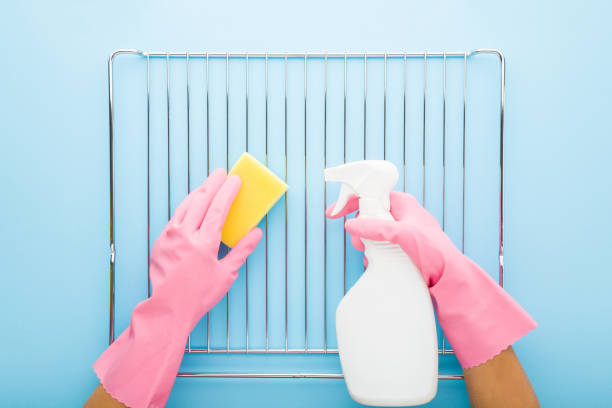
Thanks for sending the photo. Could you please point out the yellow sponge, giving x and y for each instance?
(259, 191)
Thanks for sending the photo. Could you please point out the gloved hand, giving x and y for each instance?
(478, 317)
(188, 279)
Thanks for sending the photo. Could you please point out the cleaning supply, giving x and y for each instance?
(260, 190)
(478, 317)
(385, 324)
(139, 368)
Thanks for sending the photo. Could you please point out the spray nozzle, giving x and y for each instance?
(370, 180)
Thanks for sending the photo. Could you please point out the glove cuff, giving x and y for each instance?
(139, 368)
(479, 318)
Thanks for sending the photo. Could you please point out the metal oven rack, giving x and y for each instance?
(284, 63)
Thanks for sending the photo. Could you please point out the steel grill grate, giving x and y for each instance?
(176, 116)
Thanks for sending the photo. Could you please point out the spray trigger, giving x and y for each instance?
(345, 193)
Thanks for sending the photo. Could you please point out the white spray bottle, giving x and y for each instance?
(385, 324)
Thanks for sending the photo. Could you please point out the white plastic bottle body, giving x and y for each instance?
(386, 332)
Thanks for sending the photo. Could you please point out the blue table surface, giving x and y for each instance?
(54, 166)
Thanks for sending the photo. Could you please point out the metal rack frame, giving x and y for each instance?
(424, 56)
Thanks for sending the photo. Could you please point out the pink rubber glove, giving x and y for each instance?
(478, 317)
(188, 279)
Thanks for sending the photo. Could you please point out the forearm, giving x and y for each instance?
(500, 382)
(101, 399)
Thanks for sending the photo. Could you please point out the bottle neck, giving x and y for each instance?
(384, 252)
(379, 251)
(374, 208)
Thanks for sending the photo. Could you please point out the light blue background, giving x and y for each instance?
(54, 137)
